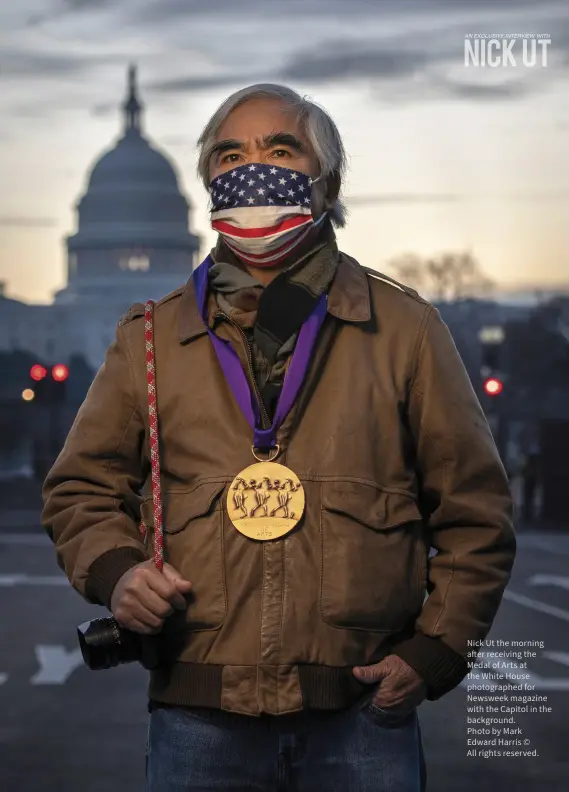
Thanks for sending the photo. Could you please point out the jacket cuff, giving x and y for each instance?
(440, 666)
(106, 571)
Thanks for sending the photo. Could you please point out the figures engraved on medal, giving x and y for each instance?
(265, 501)
(262, 492)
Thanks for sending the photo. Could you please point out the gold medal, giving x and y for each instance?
(265, 501)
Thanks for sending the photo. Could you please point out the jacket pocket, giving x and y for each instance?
(193, 526)
(373, 557)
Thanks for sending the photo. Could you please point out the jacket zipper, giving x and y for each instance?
(265, 420)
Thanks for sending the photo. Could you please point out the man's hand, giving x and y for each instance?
(400, 689)
(144, 597)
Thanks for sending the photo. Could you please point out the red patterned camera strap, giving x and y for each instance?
(153, 434)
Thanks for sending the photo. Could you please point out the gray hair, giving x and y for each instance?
(316, 124)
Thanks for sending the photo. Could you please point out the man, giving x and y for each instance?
(308, 466)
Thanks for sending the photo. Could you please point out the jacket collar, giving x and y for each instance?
(348, 300)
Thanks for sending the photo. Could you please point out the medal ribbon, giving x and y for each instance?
(236, 377)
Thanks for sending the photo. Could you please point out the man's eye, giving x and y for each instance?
(227, 157)
(279, 153)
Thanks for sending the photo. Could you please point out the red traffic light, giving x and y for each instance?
(493, 386)
(38, 372)
(60, 372)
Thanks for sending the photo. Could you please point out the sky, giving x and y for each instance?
(442, 156)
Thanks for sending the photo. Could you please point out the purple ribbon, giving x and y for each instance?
(236, 378)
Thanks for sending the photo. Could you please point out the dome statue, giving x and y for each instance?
(133, 238)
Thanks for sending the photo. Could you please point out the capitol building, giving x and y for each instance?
(133, 242)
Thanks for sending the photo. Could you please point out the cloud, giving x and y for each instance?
(22, 62)
(104, 109)
(330, 60)
(415, 199)
(415, 75)
(342, 60)
(76, 5)
(403, 50)
(402, 198)
(65, 7)
(424, 65)
(176, 10)
(490, 91)
(165, 10)
(182, 85)
(7, 221)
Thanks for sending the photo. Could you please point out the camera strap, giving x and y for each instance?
(153, 437)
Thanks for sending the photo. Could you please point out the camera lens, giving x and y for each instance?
(105, 644)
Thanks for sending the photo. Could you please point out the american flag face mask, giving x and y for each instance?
(262, 211)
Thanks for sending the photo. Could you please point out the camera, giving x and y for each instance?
(105, 644)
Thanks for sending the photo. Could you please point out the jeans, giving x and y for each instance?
(361, 749)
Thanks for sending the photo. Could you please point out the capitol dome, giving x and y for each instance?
(133, 161)
(133, 220)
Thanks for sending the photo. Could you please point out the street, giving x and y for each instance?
(64, 728)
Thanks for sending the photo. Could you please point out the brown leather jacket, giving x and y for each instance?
(395, 457)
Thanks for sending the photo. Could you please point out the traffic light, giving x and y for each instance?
(60, 372)
(38, 372)
(492, 338)
(59, 377)
(49, 385)
(493, 386)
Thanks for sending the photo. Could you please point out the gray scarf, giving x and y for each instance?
(272, 316)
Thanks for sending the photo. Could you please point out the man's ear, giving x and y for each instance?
(332, 190)
(324, 194)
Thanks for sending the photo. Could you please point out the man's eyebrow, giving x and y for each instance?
(282, 139)
(225, 145)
